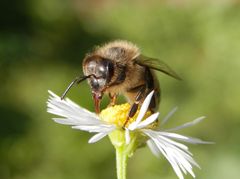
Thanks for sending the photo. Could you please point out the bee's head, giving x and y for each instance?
(101, 72)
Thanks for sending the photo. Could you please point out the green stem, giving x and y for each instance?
(121, 159)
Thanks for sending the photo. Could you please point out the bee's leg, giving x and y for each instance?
(135, 105)
(113, 99)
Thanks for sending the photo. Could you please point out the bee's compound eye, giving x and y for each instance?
(101, 82)
(94, 84)
(91, 66)
(102, 69)
(106, 69)
(110, 68)
(97, 84)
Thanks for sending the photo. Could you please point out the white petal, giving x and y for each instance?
(176, 153)
(185, 138)
(67, 108)
(144, 106)
(189, 124)
(165, 139)
(148, 121)
(53, 94)
(167, 117)
(143, 110)
(64, 121)
(127, 136)
(94, 128)
(77, 121)
(184, 152)
(168, 156)
(153, 148)
(97, 137)
(76, 116)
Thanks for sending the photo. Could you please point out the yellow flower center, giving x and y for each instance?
(118, 115)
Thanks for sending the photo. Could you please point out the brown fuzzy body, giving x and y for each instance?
(123, 54)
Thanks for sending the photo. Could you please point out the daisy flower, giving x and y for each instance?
(142, 129)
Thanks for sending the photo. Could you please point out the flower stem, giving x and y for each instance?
(121, 159)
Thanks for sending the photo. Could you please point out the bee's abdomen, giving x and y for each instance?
(149, 84)
(152, 84)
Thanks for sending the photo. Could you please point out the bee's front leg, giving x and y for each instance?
(113, 99)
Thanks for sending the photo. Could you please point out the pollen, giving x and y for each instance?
(118, 115)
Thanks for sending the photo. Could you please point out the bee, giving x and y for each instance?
(118, 67)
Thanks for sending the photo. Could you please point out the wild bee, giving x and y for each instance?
(118, 67)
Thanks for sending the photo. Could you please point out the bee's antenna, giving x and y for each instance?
(76, 81)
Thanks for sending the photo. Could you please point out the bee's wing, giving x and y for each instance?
(156, 65)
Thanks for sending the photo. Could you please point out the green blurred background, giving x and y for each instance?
(42, 44)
